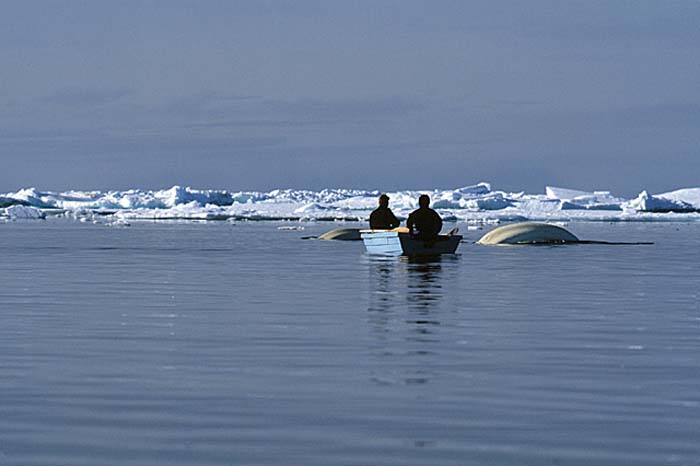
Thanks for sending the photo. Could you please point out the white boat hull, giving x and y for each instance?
(394, 243)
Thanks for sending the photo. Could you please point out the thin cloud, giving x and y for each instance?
(212, 111)
(346, 108)
(86, 97)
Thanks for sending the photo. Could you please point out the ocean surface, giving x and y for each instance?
(239, 343)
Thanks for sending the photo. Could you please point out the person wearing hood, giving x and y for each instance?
(424, 222)
(382, 218)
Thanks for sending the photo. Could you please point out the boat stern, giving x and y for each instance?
(382, 242)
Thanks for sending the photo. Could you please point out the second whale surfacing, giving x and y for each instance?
(342, 234)
(528, 233)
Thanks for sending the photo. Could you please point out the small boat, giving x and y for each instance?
(399, 242)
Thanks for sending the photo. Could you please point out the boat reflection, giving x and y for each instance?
(424, 286)
(405, 298)
(411, 283)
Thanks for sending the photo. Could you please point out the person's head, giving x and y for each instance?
(383, 200)
(424, 200)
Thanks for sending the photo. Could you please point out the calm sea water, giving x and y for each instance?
(221, 344)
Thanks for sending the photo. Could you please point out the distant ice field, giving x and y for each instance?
(239, 343)
(477, 204)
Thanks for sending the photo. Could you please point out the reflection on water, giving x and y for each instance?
(405, 305)
(413, 283)
(424, 287)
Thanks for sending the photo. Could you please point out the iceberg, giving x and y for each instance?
(669, 202)
(477, 190)
(494, 201)
(571, 199)
(178, 195)
(22, 212)
(685, 196)
(31, 197)
(8, 201)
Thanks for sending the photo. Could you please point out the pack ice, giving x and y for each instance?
(471, 204)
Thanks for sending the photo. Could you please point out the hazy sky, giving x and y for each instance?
(366, 94)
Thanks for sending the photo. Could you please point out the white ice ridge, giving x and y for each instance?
(17, 212)
(682, 200)
(476, 203)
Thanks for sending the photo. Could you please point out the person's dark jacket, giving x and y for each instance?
(426, 221)
(382, 218)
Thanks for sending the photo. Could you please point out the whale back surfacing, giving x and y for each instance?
(528, 233)
(342, 234)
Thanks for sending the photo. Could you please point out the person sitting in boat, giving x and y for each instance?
(382, 218)
(424, 222)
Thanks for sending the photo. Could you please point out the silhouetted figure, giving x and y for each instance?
(424, 222)
(382, 218)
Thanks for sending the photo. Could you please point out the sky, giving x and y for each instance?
(387, 95)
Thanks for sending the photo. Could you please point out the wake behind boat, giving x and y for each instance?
(400, 241)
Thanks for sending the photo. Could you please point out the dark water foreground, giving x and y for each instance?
(219, 344)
